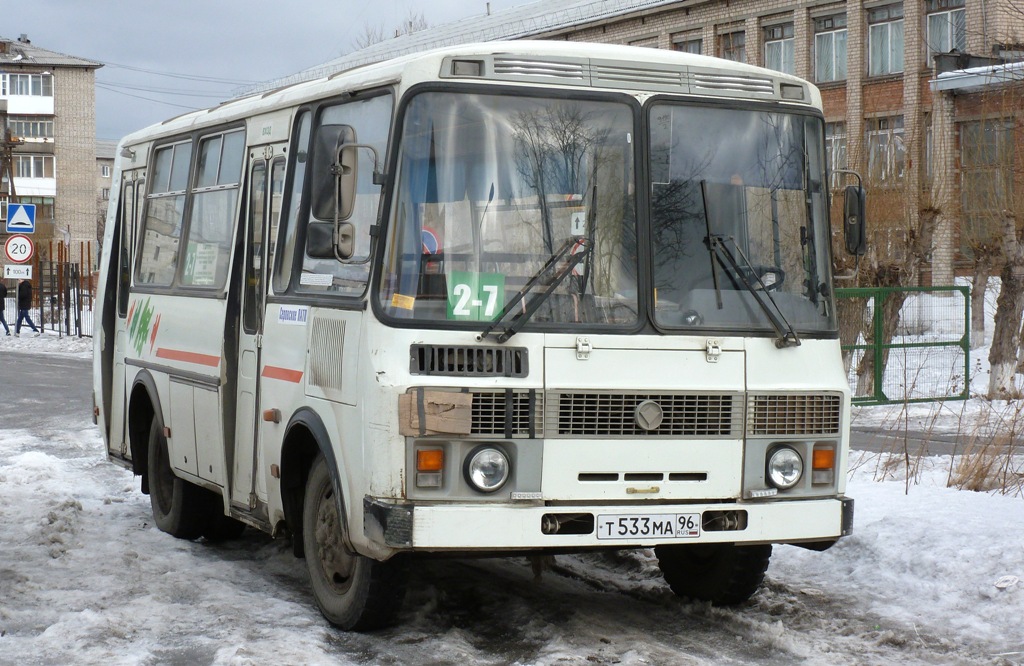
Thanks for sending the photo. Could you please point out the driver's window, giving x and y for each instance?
(366, 122)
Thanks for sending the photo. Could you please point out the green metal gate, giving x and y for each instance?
(921, 354)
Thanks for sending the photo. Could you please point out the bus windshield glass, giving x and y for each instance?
(513, 207)
(739, 226)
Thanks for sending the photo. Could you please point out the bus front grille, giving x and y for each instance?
(794, 414)
(614, 414)
(506, 413)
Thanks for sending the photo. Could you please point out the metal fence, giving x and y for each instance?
(906, 344)
(62, 299)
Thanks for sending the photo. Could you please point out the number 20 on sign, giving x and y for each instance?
(19, 248)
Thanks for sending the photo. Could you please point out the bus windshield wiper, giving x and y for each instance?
(787, 336)
(549, 277)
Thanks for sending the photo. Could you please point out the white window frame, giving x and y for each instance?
(886, 40)
(887, 165)
(778, 48)
(832, 31)
(952, 17)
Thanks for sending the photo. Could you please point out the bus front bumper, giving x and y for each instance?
(489, 527)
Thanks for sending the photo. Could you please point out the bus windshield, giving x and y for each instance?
(513, 204)
(739, 227)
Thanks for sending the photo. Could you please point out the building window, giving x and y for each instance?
(105, 193)
(33, 166)
(778, 48)
(105, 170)
(830, 48)
(947, 26)
(885, 40)
(986, 159)
(35, 85)
(44, 207)
(887, 151)
(732, 46)
(687, 43)
(31, 127)
(835, 152)
(645, 42)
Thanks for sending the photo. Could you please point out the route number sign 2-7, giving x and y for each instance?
(19, 248)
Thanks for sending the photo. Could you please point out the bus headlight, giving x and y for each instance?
(486, 469)
(785, 467)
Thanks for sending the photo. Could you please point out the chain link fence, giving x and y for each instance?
(906, 344)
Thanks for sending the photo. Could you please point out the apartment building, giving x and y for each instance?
(51, 113)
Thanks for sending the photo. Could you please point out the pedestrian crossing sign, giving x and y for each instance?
(21, 218)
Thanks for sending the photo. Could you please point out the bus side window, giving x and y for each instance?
(127, 222)
(165, 212)
(289, 216)
(366, 122)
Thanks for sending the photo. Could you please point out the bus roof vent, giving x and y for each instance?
(468, 361)
(731, 85)
(659, 78)
(549, 70)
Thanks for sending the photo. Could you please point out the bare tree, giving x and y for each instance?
(372, 34)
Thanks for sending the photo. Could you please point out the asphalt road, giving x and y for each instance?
(44, 392)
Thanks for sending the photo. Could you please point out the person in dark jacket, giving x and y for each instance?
(24, 304)
(3, 307)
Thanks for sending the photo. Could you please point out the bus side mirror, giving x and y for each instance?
(854, 224)
(327, 167)
(321, 243)
(347, 170)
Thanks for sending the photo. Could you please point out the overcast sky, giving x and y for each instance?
(164, 58)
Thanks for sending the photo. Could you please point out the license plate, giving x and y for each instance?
(648, 526)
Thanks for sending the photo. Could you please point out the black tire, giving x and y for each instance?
(723, 573)
(352, 591)
(178, 506)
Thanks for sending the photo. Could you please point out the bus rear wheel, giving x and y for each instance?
(352, 591)
(178, 506)
(725, 574)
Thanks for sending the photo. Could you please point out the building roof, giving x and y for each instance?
(105, 149)
(976, 79)
(532, 19)
(21, 51)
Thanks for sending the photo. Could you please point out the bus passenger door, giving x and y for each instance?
(266, 176)
(132, 195)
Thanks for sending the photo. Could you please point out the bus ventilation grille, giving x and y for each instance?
(799, 414)
(453, 361)
(508, 413)
(578, 414)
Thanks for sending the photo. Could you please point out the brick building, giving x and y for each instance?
(51, 112)
(874, 61)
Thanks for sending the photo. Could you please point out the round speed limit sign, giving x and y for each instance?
(19, 248)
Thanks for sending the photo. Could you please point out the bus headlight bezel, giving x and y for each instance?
(484, 480)
(781, 463)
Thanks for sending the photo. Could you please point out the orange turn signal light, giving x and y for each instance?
(429, 460)
(824, 459)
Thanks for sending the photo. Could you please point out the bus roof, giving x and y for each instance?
(523, 62)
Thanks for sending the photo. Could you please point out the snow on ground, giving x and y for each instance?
(48, 342)
(930, 575)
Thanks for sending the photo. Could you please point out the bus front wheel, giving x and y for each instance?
(352, 591)
(725, 574)
(177, 504)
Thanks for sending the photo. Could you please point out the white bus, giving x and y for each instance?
(524, 297)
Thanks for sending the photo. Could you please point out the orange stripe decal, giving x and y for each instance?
(284, 374)
(188, 357)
